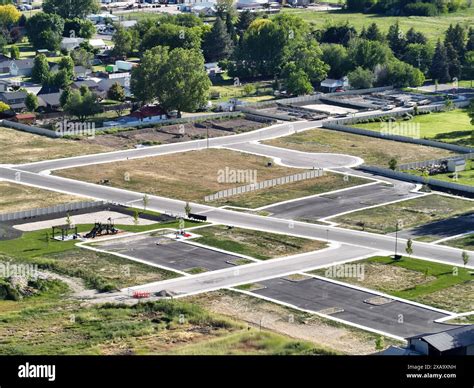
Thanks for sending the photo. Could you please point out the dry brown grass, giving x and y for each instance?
(188, 176)
(15, 197)
(374, 151)
(22, 147)
(458, 298)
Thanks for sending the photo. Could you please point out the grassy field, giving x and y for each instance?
(450, 127)
(433, 27)
(16, 197)
(188, 176)
(410, 213)
(23, 147)
(439, 285)
(328, 182)
(223, 89)
(260, 245)
(374, 151)
(466, 242)
(147, 328)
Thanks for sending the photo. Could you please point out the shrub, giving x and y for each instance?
(420, 9)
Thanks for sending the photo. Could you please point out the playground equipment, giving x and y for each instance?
(99, 229)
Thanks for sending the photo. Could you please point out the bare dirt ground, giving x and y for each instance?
(174, 133)
(290, 322)
(188, 176)
(389, 277)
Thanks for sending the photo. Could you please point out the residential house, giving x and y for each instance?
(21, 67)
(49, 98)
(330, 85)
(106, 84)
(24, 118)
(454, 342)
(16, 100)
(69, 44)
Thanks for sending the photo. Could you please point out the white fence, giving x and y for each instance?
(49, 210)
(265, 184)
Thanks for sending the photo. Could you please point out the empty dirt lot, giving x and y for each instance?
(188, 176)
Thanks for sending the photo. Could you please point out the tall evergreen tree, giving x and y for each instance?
(454, 65)
(396, 40)
(470, 40)
(230, 28)
(373, 33)
(439, 66)
(456, 36)
(218, 44)
(415, 37)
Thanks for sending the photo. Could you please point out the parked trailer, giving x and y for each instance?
(197, 217)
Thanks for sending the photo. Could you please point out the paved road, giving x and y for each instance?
(255, 272)
(343, 201)
(169, 253)
(397, 318)
(277, 130)
(228, 217)
(441, 229)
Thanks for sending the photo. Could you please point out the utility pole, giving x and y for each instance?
(396, 240)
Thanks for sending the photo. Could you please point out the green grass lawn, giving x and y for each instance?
(439, 285)
(256, 244)
(410, 213)
(449, 127)
(433, 27)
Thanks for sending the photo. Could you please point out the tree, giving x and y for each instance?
(14, 52)
(123, 41)
(71, 9)
(298, 83)
(307, 56)
(471, 111)
(117, 93)
(40, 73)
(82, 57)
(396, 40)
(392, 164)
(31, 102)
(400, 75)
(456, 37)
(339, 34)
(419, 55)
(379, 343)
(173, 36)
(45, 31)
(187, 209)
(409, 247)
(67, 64)
(82, 104)
(65, 96)
(217, 44)
(177, 79)
(454, 65)
(136, 217)
(145, 201)
(361, 78)
(415, 37)
(9, 15)
(373, 33)
(465, 258)
(337, 58)
(245, 19)
(4, 107)
(368, 54)
(79, 28)
(439, 69)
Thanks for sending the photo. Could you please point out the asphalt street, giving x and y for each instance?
(169, 253)
(233, 218)
(255, 272)
(397, 318)
(343, 201)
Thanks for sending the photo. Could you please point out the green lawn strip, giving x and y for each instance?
(256, 244)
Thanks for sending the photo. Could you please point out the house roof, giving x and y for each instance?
(107, 83)
(331, 83)
(450, 339)
(148, 111)
(25, 116)
(10, 96)
(52, 99)
(23, 63)
(88, 83)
